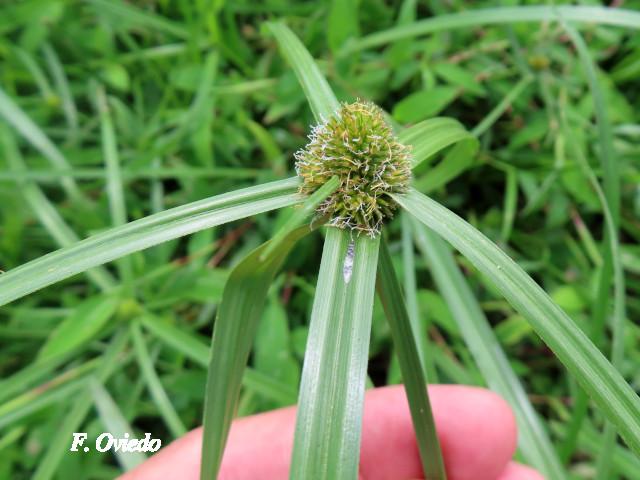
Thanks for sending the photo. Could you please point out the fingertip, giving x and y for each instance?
(477, 430)
(517, 471)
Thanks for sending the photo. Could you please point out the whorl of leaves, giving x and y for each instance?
(358, 146)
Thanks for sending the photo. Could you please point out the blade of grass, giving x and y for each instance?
(430, 136)
(138, 17)
(22, 379)
(608, 158)
(197, 350)
(299, 216)
(533, 441)
(115, 423)
(318, 92)
(200, 108)
(62, 86)
(48, 215)
(335, 364)
(603, 383)
(510, 203)
(36, 72)
(16, 409)
(415, 385)
(80, 327)
(12, 436)
(158, 393)
(610, 200)
(115, 187)
(418, 326)
(493, 16)
(43, 394)
(233, 335)
(16, 117)
(54, 175)
(589, 440)
(144, 233)
(502, 106)
(59, 445)
(619, 308)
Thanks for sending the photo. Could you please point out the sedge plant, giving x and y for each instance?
(353, 177)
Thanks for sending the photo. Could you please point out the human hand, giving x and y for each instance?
(476, 429)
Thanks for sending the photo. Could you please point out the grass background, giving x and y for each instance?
(170, 102)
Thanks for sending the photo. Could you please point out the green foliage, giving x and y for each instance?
(182, 119)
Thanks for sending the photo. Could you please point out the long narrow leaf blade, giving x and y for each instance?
(597, 376)
(196, 350)
(114, 423)
(318, 92)
(16, 117)
(46, 212)
(299, 216)
(495, 16)
(327, 445)
(157, 391)
(533, 440)
(430, 136)
(145, 233)
(415, 385)
(233, 334)
(59, 446)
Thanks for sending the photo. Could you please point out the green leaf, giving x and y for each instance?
(603, 383)
(59, 445)
(327, 445)
(144, 233)
(424, 104)
(430, 136)
(610, 200)
(419, 323)
(318, 92)
(115, 186)
(115, 423)
(233, 335)
(158, 393)
(612, 263)
(456, 161)
(299, 216)
(342, 22)
(491, 360)
(461, 77)
(502, 106)
(272, 353)
(62, 86)
(495, 16)
(46, 211)
(131, 15)
(415, 385)
(39, 398)
(80, 327)
(197, 350)
(27, 376)
(16, 117)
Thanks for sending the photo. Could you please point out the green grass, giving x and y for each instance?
(162, 134)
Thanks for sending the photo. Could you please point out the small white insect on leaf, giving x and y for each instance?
(347, 268)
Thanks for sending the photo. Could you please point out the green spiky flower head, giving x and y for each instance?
(358, 146)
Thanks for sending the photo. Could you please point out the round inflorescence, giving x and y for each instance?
(358, 146)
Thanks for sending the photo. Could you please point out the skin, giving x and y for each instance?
(476, 428)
